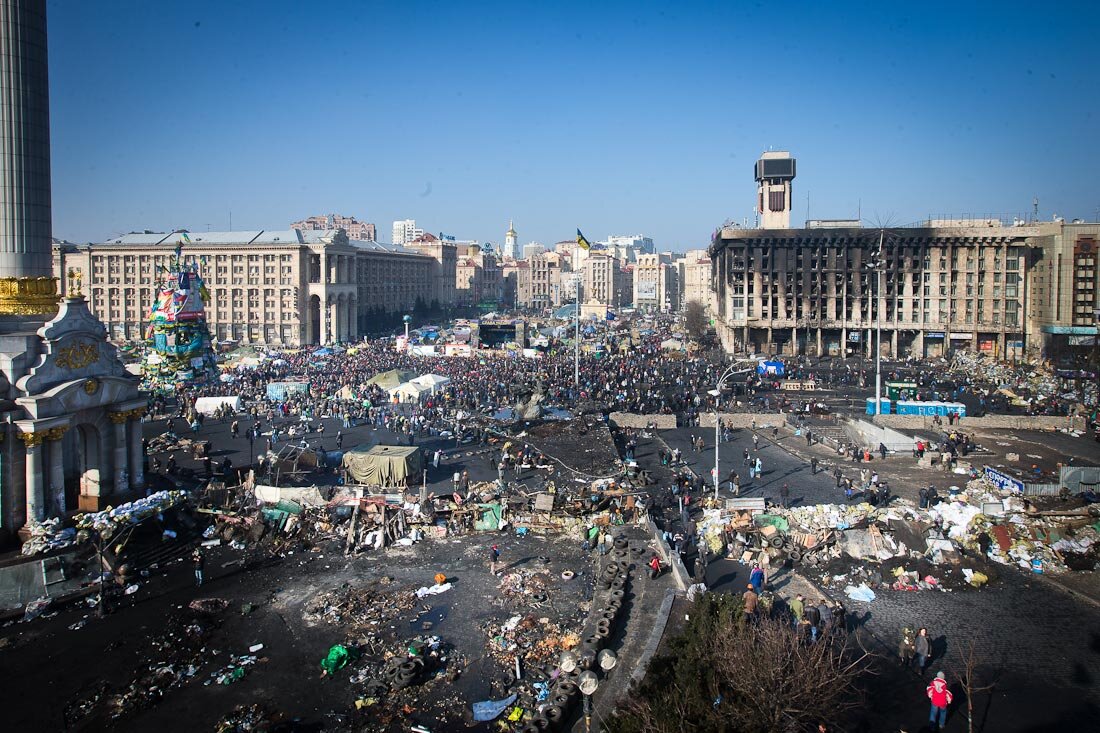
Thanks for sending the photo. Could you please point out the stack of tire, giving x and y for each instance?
(397, 674)
(794, 552)
(602, 622)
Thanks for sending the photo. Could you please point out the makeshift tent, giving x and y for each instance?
(384, 465)
(410, 391)
(210, 405)
(672, 345)
(392, 378)
(434, 382)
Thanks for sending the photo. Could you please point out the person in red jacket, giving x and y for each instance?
(940, 696)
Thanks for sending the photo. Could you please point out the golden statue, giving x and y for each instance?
(75, 278)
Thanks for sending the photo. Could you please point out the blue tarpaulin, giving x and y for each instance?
(771, 368)
(490, 709)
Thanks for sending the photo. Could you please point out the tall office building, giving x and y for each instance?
(405, 231)
(774, 173)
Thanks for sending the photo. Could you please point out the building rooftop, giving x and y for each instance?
(383, 247)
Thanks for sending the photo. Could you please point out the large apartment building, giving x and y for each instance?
(1064, 308)
(478, 278)
(656, 283)
(944, 286)
(288, 288)
(358, 230)
(604, 280)
(1009, 288)
(693, 270)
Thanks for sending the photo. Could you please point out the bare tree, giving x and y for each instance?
(728, 675)
(695, 321)
(971, 683)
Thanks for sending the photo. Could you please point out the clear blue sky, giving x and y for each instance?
(617, 118)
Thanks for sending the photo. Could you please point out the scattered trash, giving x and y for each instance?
(860, 593)
(433, 590)
(490, 709)
(36, 608)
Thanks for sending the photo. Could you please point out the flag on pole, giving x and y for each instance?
(611, 315)
(582, 242)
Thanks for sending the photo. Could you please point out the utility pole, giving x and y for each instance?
(577, 337)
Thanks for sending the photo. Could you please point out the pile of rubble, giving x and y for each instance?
(535, 641)
(956, 543)
(361, 607)
(51, 535)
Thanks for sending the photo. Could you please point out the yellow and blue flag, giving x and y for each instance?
(582, 242)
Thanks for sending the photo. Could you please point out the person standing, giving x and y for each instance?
(826, 612)
(814, 617)
(939, 694)
(923, 648)
(494, 558)
(907, 647)
(455, 479)
(435, 458)
(750, 598)
(785, 496)
(798, 608)
(839, 476)
(813, 466)
(199, 561)
(759, 466)
(757, 578)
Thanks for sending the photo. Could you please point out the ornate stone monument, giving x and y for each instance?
(70, 434)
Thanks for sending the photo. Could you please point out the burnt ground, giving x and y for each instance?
(146, 645)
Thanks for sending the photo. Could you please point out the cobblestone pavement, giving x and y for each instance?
(1038, 644)
(780, 466)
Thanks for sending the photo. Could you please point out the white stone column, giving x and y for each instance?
(120, 458)
(34, 477)
(137, 458)
(56, 488)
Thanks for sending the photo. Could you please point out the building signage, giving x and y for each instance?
(961, 336)
(853, 335)
(1003, 482)
(934, 335)
(647, 290)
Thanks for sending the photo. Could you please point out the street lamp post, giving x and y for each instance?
(577, 337)
(407, 319)
(717, 433)
(588, 682)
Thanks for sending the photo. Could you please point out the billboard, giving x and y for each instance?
(646, 290)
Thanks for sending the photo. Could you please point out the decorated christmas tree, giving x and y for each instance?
(178, 349)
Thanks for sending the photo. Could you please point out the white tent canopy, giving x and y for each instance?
(434, 382)
(410, 391)
(209, 405)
